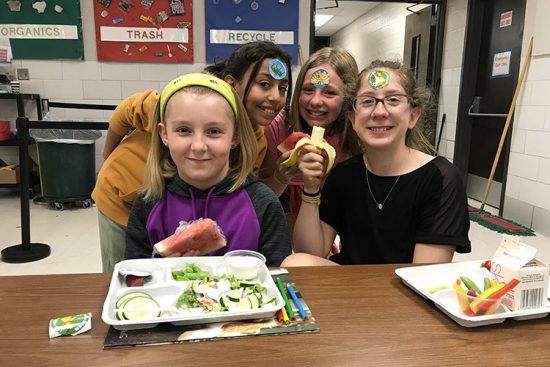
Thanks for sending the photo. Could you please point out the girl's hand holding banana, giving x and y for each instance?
(317, 141)
(311, 162)
(284, 174)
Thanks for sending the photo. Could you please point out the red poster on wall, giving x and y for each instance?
(144, 30)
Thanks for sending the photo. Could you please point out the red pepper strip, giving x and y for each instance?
(475, 304)
(484, 305)
(484, 295)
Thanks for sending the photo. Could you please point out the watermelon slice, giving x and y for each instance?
(290, 142)
(203, 235)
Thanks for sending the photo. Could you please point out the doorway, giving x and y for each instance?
(422, 38)
(492, 55)
(418, 54)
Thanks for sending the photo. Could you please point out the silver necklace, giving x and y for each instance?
(380, 205)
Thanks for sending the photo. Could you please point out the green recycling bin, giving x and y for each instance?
(67, 165)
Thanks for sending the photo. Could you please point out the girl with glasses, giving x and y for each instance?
(393, 203)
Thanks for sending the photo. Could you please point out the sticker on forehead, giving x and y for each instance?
(320, 78)
(277, 69)
(379, 79)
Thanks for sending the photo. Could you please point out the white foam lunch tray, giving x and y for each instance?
(422, 278)
(165, 290)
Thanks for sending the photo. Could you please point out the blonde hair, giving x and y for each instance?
(345, 66)
(419, 97)
(159, 165)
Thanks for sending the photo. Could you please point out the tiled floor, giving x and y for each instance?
(74, 240)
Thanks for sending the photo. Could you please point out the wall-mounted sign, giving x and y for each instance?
(145, 30)
(42, 29)
(506, 19)
(501, 64)
(234, 22)
(39, 31)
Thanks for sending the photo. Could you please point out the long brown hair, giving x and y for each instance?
(345, 66)
(252, 54)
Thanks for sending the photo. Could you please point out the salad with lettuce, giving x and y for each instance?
(209, 293)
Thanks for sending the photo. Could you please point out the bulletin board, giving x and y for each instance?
(144, 30)
(42, 29)
(233, 22)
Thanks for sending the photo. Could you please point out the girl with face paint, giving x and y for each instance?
(261, 73)
(323, 90)
(393, 203)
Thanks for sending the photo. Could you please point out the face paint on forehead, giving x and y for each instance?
(320, 78)
(378, 79)
(277, 69)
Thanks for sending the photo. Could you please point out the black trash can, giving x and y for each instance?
(67, 165)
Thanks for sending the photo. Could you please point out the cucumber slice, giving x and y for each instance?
(128, 296)
(244, 304)
(200, 287)
(122, 301)
(224, 302)
(234, 295)
(141, 308)
(235, 305)
(254, 301)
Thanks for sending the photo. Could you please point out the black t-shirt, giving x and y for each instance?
(427, 205)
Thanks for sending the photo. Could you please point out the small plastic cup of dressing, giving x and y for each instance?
(244, 264)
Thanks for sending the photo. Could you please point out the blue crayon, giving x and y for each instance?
(296, 301)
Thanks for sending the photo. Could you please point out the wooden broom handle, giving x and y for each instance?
(507, 124)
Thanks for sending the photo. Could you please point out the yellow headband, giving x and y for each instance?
(204, 80)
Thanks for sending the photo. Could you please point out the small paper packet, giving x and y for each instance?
(70, 325)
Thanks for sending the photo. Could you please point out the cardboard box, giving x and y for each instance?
(9, 176)
(514, 259)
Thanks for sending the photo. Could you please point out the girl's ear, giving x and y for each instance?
(229, 79)
(415, 115)
(162, 133)
(234, 143)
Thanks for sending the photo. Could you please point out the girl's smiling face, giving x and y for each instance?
(383, 124)
(321, 96)
(199, 132)
(266, 95)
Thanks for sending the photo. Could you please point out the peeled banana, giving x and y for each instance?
(317, 140)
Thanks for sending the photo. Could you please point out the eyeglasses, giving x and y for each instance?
(391, 102)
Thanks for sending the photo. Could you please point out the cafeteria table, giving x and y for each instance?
(367, 317)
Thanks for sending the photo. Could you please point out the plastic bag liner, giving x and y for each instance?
(66, 136)
(69, 136)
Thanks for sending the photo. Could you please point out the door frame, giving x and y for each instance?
(439, 36)
(467, 91)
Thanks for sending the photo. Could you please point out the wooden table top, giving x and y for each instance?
(366, 314)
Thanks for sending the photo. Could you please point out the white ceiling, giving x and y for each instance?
(344, 14)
